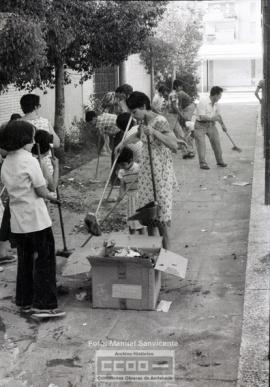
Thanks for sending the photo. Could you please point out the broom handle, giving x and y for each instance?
(152, 168)
(98, 149)
(112, 169)
(230, 138)
(109, 213)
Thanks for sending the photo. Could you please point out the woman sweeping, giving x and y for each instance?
(163, 143)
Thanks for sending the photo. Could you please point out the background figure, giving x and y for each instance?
(163, 142)
(30, 105)
(177, 121)
(128, 176)
(15, 116)
(121, 94)
(105, 123)
(207, 114)
(160, 100)
(136, 147)
(260, 89)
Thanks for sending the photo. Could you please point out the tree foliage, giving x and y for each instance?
(175, 45)
(40, 40)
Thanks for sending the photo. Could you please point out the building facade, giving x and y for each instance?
(231, 54)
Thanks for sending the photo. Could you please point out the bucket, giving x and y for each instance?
(147, 215)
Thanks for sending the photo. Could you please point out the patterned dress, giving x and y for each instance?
(164, 175)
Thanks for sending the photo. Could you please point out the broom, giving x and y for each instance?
(92, 223)
(65, 252)
(235, 147)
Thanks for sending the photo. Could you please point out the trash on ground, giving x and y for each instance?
(203, 230)
(204, 189)
(81, 296)
(163, 306)
(71, 179)
(84, 324)
(241, 183)
(230, 176)
(1, 269)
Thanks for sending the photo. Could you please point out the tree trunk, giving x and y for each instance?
(59, 116)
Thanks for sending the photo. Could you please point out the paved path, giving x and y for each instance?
(210, 228)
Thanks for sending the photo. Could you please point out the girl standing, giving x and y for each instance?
(30, 223)
(128, 176)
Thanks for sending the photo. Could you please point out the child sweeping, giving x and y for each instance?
(30, 223)
(128, 176)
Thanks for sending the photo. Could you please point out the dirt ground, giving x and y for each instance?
(209, 227)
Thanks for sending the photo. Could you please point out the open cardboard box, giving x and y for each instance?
(166, 261)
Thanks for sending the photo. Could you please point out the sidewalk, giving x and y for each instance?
(254, 352)
(210, 227)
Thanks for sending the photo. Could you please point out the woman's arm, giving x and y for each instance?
(167, 138)
(51, 179)
(43, 192)
(132, 139)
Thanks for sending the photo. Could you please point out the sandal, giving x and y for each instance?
(47, 313)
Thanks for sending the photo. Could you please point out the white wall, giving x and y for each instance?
(232, 73)
(137, 75)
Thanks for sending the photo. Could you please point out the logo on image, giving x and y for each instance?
(150, 365)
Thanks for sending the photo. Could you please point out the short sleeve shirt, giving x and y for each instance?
(21, 174)
(106, 124)
(206, 108)
(184, 99)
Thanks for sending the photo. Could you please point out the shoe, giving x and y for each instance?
(7, 259)
(47, 313)
(222, 165)
(189, 155)
(204, 166)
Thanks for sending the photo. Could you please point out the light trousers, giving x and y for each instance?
(207, 129)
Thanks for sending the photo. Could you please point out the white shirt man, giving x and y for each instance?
(207, 114)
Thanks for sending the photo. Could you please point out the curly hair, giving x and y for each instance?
(16, 135)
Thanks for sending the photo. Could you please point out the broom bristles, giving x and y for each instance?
(92, 225)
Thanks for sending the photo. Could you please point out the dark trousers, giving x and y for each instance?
(36, 273)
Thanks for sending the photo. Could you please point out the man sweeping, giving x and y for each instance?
(207, 114)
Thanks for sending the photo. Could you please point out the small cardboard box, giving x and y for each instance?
(131, 282)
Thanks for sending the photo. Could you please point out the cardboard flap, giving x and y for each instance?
(171, 263)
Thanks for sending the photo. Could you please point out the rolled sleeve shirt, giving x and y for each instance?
(21, 174)
(206, 108)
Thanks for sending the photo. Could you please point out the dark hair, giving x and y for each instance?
(177, 83)
(138, 100)
(89, 115)
(215, 90)
(125, 89)
(126, 156)
(122, 121)
(17, 134)
(44, 139)
(15, 116)
(29, 102)
(162, 89)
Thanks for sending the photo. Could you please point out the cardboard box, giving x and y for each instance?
(132, 282)
(127, 282)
